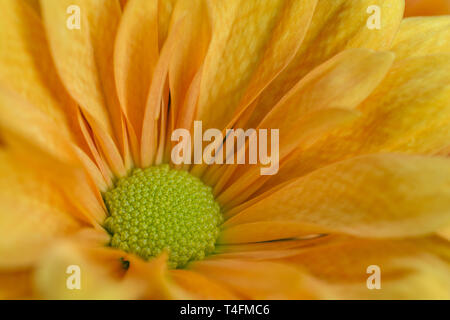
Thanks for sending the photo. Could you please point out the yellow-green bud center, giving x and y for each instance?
(160, 208)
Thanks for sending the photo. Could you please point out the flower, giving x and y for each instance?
(90, 207)
(427, 8)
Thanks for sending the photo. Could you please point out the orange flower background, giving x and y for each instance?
(364, 120)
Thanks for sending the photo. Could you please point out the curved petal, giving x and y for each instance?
(83, 60)
(192, 47)
(316, 105)
(270, 250)
(259, 280)
(382, 195)
(200, 286)
(98, 279)
(409, 269)
(26, 67)
(422, 36)
(165, 10)
(20, 118)
(26, 48)
(155, 277)
(308, 129)
(135, 56)
(336, 26)
(247, 52)
(266, 231)
(156, 105)
(28, 131)
(359, 72)
(33, 213)
(392, 119)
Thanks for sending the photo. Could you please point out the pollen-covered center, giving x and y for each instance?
(160, 208)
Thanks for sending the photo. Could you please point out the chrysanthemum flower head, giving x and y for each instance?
(92, 204)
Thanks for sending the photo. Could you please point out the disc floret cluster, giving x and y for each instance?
(160, 208)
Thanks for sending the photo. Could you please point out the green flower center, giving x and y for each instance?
(160, 208)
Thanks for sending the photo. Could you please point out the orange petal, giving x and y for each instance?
(34, 212)
(267, 231)
(156, 278)
(392, 119)
(315, 105)
(308, 129)
(16, 285)
(200, 286)
(83, 60)
(247, 51)
(28, 131)
(336, 26)
(259, 280)
(359, 72)
(135, 57)
(400, 196)
(409, 269)
(25, 48)
(427, 8)
(152, 114)
(123, 3)
(192, 47)
(271, 250)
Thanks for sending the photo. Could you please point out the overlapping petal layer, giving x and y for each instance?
(364, 122)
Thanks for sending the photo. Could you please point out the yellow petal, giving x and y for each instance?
(259, 280)
(33, 212)
(369, 196)
(83, 60)
(406, 268)
(392, 119)
(422, 36)
(247, 51)
(336, 26)
(201, 287)
(97, 280)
